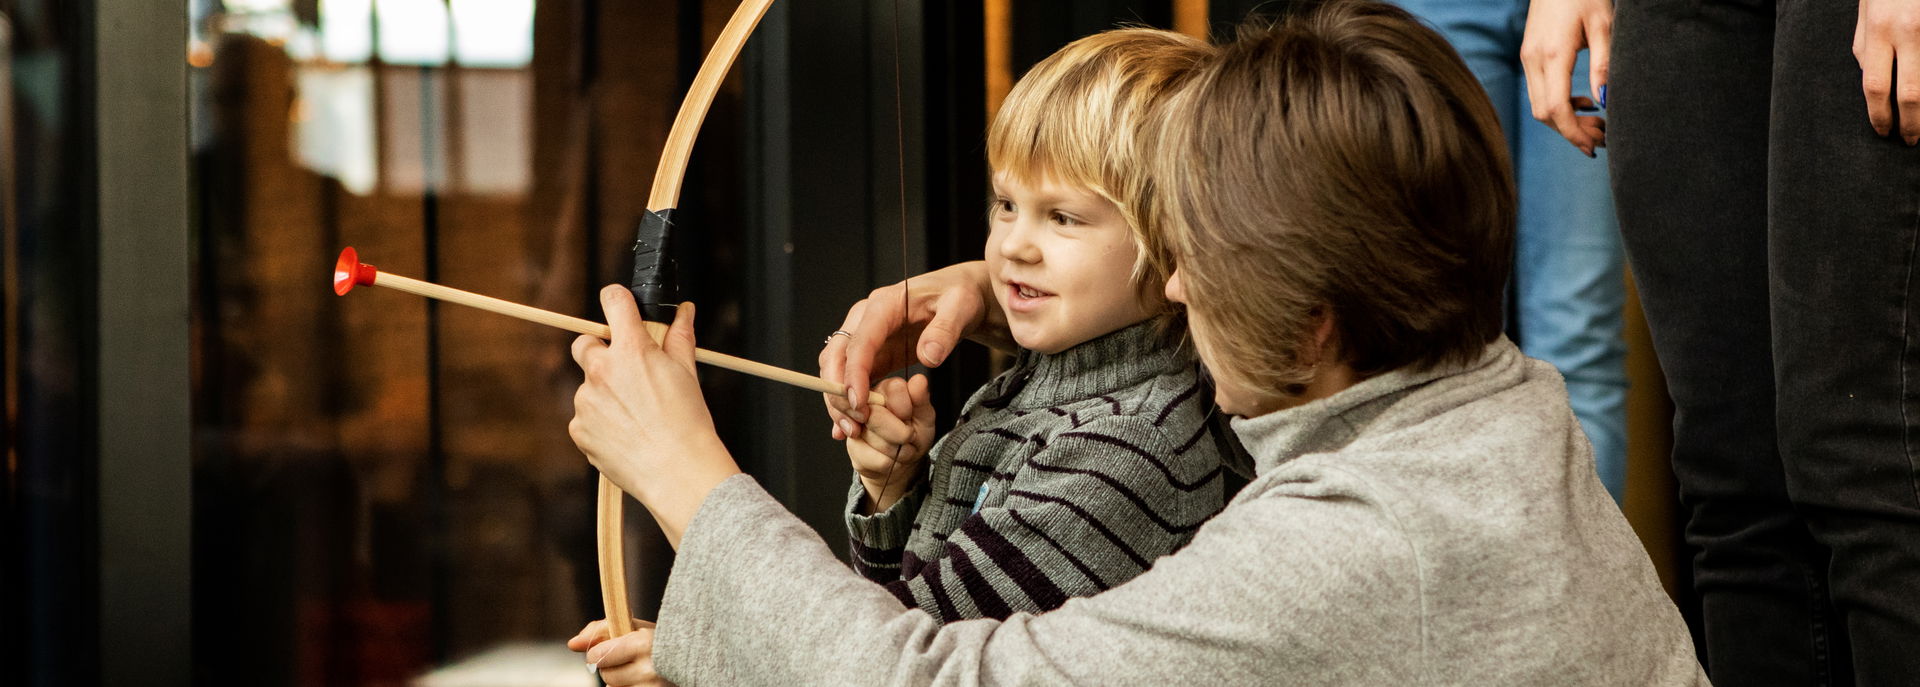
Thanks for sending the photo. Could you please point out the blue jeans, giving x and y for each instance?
(1568, 288)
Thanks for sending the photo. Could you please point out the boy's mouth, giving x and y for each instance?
(1024, 297)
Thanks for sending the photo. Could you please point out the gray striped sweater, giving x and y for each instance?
(1065, 476)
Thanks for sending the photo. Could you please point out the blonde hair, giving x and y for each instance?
(1080, 117)
(1342, 164)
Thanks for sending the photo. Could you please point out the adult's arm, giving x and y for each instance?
(1294, 590)
(930, 313)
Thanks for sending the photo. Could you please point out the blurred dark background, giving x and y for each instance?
(219, 473)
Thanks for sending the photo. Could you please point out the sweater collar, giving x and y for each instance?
(1330, 423)
(1113, 361)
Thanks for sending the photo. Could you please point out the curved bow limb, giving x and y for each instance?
(661, 201)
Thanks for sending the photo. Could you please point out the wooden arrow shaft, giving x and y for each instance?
(591, 328)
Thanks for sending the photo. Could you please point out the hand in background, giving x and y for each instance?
(1888, 32)
(887, 455)
(1557, 30)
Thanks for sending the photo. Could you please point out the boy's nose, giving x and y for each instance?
(1017, 245)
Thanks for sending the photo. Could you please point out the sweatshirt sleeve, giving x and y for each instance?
(876, 542)
(1300, 591)
(1087, 510)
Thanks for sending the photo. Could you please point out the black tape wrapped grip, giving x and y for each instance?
(656, 283)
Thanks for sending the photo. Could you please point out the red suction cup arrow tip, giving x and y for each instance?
(349, 272)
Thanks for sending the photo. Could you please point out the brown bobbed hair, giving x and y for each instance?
(1342, 162)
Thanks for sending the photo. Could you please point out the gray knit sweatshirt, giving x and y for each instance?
(1064, 476)
(1431, 528)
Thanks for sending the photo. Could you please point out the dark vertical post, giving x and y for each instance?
(439, 524)
(139, 88)
(953, 142)
(51, 574)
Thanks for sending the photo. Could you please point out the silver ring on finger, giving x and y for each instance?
(840, 332)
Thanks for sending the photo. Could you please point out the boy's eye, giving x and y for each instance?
(1063, 220)
(1000, 206)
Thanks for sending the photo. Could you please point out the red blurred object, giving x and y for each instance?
(349, 272)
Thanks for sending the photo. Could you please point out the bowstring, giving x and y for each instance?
(906, 301)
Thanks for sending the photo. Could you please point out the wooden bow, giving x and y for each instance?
(661, 202)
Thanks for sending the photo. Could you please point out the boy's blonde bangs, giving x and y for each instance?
(1079, 118)
(1032, 145)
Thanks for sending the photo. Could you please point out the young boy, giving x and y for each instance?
(1095, 454)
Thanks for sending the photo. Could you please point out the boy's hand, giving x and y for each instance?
(887, 455)
(619, 662)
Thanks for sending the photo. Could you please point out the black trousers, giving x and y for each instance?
(1772, 235)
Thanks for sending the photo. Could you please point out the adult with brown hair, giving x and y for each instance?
(1425, 509)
